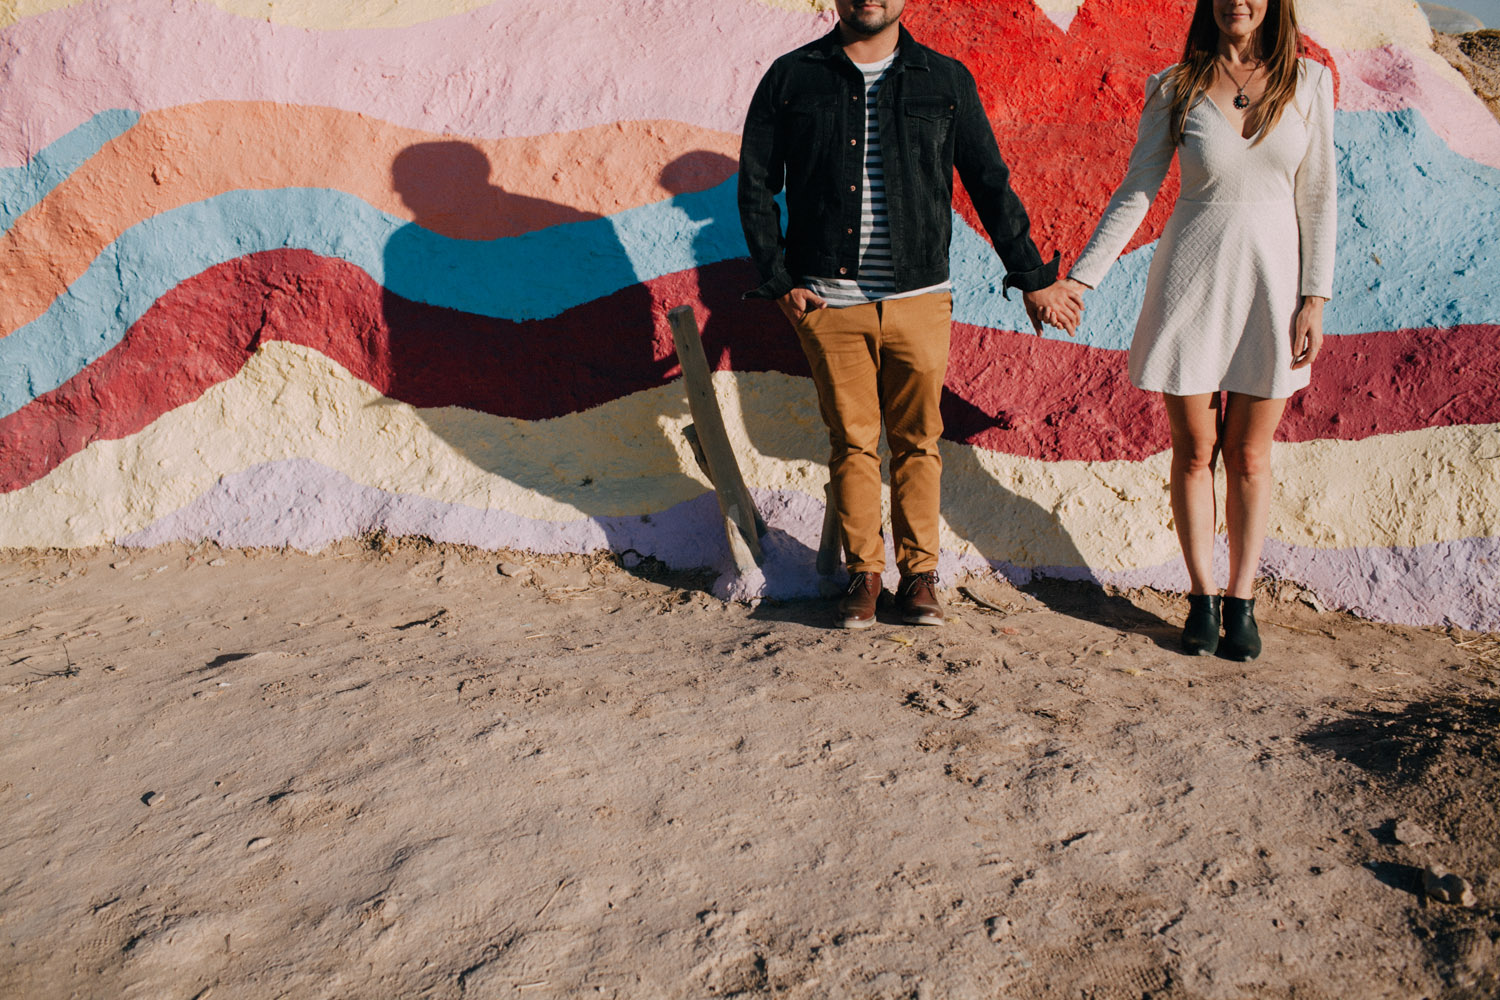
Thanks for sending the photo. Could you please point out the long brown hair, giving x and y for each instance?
(1277, 44)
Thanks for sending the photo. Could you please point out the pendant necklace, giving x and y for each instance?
(1240, 100)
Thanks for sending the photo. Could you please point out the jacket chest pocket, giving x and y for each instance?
(928, 122)
(808, 120)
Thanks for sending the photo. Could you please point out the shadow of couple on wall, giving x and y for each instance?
(529, 339)
(534, 345)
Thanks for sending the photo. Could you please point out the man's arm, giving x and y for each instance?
(987, 179)
(985, 176)
(762, 174)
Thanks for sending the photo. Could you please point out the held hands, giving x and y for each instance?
(1060, 304)
(798, 303)
(1307, 332)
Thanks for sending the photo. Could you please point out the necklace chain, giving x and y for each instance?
(1240, 100)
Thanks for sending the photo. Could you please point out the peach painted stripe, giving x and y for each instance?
(466, 189)
(523, 67)
(629, 457)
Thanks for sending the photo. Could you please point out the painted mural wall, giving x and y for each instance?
(283, 273)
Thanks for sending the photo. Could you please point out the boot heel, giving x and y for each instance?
(1241, 636)
(1200, 634)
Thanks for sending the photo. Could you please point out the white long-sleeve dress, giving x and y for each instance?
(1251, 233)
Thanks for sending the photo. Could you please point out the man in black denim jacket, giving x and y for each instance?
(863, 128)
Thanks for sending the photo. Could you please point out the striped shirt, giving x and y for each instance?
(877, 273)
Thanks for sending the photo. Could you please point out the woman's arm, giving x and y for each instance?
(1316, 190)
(1149, 162)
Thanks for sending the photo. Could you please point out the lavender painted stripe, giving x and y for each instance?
(1441, 583)
(306, 505)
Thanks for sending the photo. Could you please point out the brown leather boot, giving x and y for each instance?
(857, 606)
(919, 600)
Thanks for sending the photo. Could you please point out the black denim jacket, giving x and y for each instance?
(804, 132)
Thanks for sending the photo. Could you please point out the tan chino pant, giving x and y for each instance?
(883, 361)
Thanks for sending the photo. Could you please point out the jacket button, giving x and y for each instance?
(843, 270)
(854, 142)
(848, 232)
(853, 188)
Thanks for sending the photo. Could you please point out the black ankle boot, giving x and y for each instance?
(1200, 634)
(1241, 637)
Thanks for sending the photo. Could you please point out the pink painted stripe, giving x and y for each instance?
(1392, 79)
(524, 67)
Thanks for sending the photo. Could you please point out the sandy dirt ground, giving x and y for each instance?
(394, 770)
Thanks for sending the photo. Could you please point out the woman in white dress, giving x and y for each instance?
(1233, 311)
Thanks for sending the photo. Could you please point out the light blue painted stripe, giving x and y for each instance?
(533, 276)
(22, 187)
(1418, 240)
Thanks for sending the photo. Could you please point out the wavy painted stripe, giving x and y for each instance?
(508, 69)
(1356, 23)
(1020, 394)
(1396, 78)
(1415, 254)
(525, 277)
(628, 458)
(326, 15)
(21, 188)
(203, 331)
(330, 15)
(1444, 583)
(465, 190)
(305, 505)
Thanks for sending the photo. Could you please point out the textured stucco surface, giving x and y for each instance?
(328, 270)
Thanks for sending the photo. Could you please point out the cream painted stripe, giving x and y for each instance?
(1368, 24)
(1414, 488)
(627, 457)
(290, 401)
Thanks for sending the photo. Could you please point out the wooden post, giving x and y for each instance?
(742, 523)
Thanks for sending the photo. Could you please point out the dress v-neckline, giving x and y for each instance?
(1229, 124)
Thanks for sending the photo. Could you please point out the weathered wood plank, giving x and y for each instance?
(742, 522)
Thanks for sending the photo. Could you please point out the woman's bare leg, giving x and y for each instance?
(1249, 425)
(1195, 435)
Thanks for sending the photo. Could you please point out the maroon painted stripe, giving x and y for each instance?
(1008, 392)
